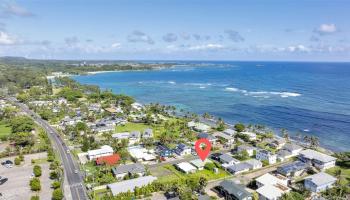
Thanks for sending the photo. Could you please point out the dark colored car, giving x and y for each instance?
(215, 156)
(7, 162)
(3, 180)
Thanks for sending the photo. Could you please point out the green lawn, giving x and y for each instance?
(5, 130)
(209, 175)
(345, 173)
(132, 127)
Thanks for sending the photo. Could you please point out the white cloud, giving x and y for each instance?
(116, 45)
(206, 47)
(325, 29)
(298, 48)
(13, 9)
(6, 39)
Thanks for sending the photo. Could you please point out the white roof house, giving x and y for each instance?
(129, 185)
(186, 167)
(319, 182)
(105, 150)
(226, 137)
(318, 159)
(229, 132)
(198, 126)
(122, 135)
(270, 192)
(255, 164)
(141, 153)
(272, 187)
(251, 135)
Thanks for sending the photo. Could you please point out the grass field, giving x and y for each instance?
(345, 173)
(132, 127)
(209, 175)
(5, 130)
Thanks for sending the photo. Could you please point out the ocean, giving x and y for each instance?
(310, 98)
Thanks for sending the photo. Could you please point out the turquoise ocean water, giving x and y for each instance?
(313, 98)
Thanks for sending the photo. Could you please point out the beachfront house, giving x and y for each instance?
(105, 150)
(229, 132)
(319, 160)
(233, 191)
(225, 139)
(293, 148)
(197, 126)
(130, 185)
(186, 167)
(121, 171)
(249, 149)
(183, 150)
(319, 182)
(207, 136)
(251, 135)
(266, 155)
(296, 168)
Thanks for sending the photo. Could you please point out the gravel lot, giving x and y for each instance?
(17, 186)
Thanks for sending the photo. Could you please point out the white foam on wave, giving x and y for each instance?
(232, 89)
(263, 94)
(202, 87)
(172, 82)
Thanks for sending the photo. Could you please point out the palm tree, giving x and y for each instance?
(314, 142)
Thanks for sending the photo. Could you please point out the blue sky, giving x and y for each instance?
(296, 30)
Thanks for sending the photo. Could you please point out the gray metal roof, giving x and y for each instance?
(132, 168)
(321, 179)
(129, 185)
(239, 167)
(234, 189)
(292, 167)
(227, 158)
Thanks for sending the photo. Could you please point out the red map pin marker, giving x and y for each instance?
(202, 153)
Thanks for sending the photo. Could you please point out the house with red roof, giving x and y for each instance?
(108, 160)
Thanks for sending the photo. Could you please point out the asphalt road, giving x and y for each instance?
(75, 180)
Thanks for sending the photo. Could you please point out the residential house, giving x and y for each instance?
(227, 159)
(164, 151)
(130, 185)
(232, 191)
(254, 164)
(283, 155)
(108, 160)
(266, 155)
(207, 136)
(105, 150)
(134, 137)
(272, 187)
(121, 136)
(249, 149)
(183, 150)
(293, 148)
(319, 182)
(136, 106)
(277, 142)
(148, 133)
(186, 167)
(141, 154)
(229, 132)
(238, 168)
(199, 164)
(131, 169)
(319, 160)
(227, 140)
(197, 126)
(296, 168)
(251, 135)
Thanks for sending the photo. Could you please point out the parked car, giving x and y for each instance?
(7, 163)
(216, 156)
(3, 180)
